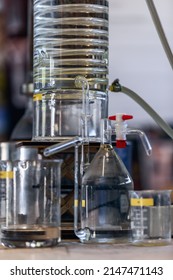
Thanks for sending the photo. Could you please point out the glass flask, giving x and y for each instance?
(104, 199)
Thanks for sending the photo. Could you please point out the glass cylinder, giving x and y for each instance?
(33, 205)
(58, 116)
(70, 40)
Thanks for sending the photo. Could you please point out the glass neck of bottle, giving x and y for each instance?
(106, 132)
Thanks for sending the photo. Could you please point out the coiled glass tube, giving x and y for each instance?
(70, 39)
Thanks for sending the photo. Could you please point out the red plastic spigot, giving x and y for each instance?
(121, 144)
(122, 116)
(121, 128)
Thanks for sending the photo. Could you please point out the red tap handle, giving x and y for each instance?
(112, 118)
(120, 118)
(124, 117)
(127, 117)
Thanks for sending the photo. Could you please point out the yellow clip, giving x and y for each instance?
(141, 202)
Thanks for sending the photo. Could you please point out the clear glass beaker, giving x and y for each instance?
(150, 214)
(6, 183)
(33, 209)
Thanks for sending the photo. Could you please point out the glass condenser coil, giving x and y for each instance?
(70, 39)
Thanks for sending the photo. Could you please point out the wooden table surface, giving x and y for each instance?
(77, 251)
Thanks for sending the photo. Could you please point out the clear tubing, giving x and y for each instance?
(82, 82)
(70, 39)
(160, 30)
(144, 140)
(56, 148)
(80, 233)
(149, 110)
(76, 189)
(116, 87)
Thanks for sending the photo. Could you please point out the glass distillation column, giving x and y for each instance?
(70, 40)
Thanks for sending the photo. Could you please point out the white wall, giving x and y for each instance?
(137, 58)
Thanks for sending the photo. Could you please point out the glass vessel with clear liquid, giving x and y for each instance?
(104, 199)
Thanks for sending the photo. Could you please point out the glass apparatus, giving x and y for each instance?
(104, 202)
(33, 205)
(70, 39)
(101, 200)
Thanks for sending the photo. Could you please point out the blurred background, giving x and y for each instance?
(136, 58)
(13, 63)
